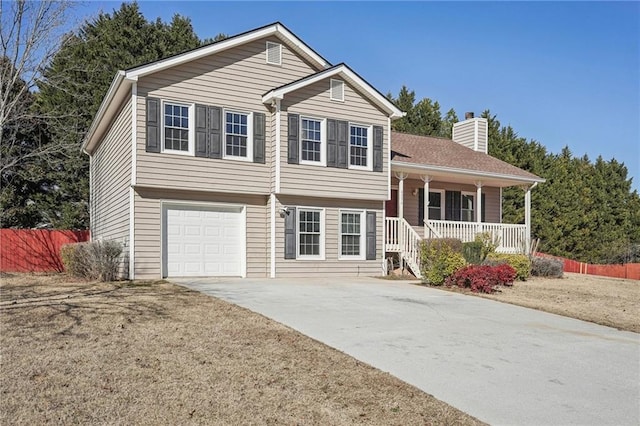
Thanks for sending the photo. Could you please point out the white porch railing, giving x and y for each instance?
(511, 238)
(402, 238)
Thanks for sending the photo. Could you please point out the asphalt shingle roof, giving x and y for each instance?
(441, 152)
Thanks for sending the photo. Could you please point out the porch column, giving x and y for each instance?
(426, 179)
(479, 205)
(401, 177)
(527, 217)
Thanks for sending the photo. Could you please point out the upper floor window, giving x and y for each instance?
(176, 134)
(237, 135)
(337, 90)
(359, 147)
(311, 140)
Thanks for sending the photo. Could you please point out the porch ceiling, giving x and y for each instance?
(461, 176)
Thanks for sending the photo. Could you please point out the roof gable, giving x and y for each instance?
(350, 76)
(276, 29)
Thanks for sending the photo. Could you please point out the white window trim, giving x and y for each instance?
(323, 142)
(331, 81)
(249, 156)
(192, 128)
(475, 205)
(363, 236)
(270, 44)
(369, 128)
(442, 201)
(321, 256)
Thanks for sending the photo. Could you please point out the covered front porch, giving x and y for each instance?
(429, 203)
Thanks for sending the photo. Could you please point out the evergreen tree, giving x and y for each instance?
(77, 80)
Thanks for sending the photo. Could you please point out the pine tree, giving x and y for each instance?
(77, 80)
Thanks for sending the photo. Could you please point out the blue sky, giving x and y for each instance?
(562, 73)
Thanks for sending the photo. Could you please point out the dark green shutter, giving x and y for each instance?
(483, 217)
(332, 143)
(293, 139)
(421, 207)
(290, 234)
(214, 124)
(202, 144)
(153, 125)
(343, 144)
(371, 236)
(377, 149)
(258, 137)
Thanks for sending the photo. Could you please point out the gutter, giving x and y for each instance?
(106, 102)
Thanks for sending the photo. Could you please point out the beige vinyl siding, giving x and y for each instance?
(492, 198)
(331, 265)
(148, 228)
(464, 133)
(234, 79)
(483, 137)
(111, 179)
(302, 179)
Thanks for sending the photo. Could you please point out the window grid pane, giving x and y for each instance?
(311, 140)
(435, 200)
(358, 142)
(309, 234)
(467, 208)
(176, 127)
(237, 132)
(350, 234)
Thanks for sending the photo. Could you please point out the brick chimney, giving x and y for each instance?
(472, 132)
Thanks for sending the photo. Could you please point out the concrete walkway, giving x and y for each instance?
(501, 363)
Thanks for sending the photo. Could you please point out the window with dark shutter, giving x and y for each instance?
(293, 139)
(290, 234)
(371, 236)
(258, 137)
(153, 125)
(202, 140)
(377, 148)
(214, 127)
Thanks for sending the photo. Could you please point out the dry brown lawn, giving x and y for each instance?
(608, 301)
(156, 353)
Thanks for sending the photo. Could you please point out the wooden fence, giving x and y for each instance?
(35, 250)
(627, 270)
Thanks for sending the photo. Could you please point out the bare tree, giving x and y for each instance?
(30, 34)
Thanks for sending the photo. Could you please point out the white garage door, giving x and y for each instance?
(203, 241)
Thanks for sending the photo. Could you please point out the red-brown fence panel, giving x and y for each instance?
(35, 250)
(628, 270)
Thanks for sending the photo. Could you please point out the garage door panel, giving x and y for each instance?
(202, 241)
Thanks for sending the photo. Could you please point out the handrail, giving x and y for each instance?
(433, 233)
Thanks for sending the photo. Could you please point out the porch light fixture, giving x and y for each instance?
(414, 192)
(284, 212)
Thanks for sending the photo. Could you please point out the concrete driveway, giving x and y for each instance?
(501, 363)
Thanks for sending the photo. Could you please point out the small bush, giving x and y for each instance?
(546, 267)
(472, 252)
(482, 278)
(519, 262)
(489, 243)
(439, 259)
(95, 260)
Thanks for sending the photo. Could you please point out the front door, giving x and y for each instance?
(391, 206)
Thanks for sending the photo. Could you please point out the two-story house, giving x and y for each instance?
(255, 157)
